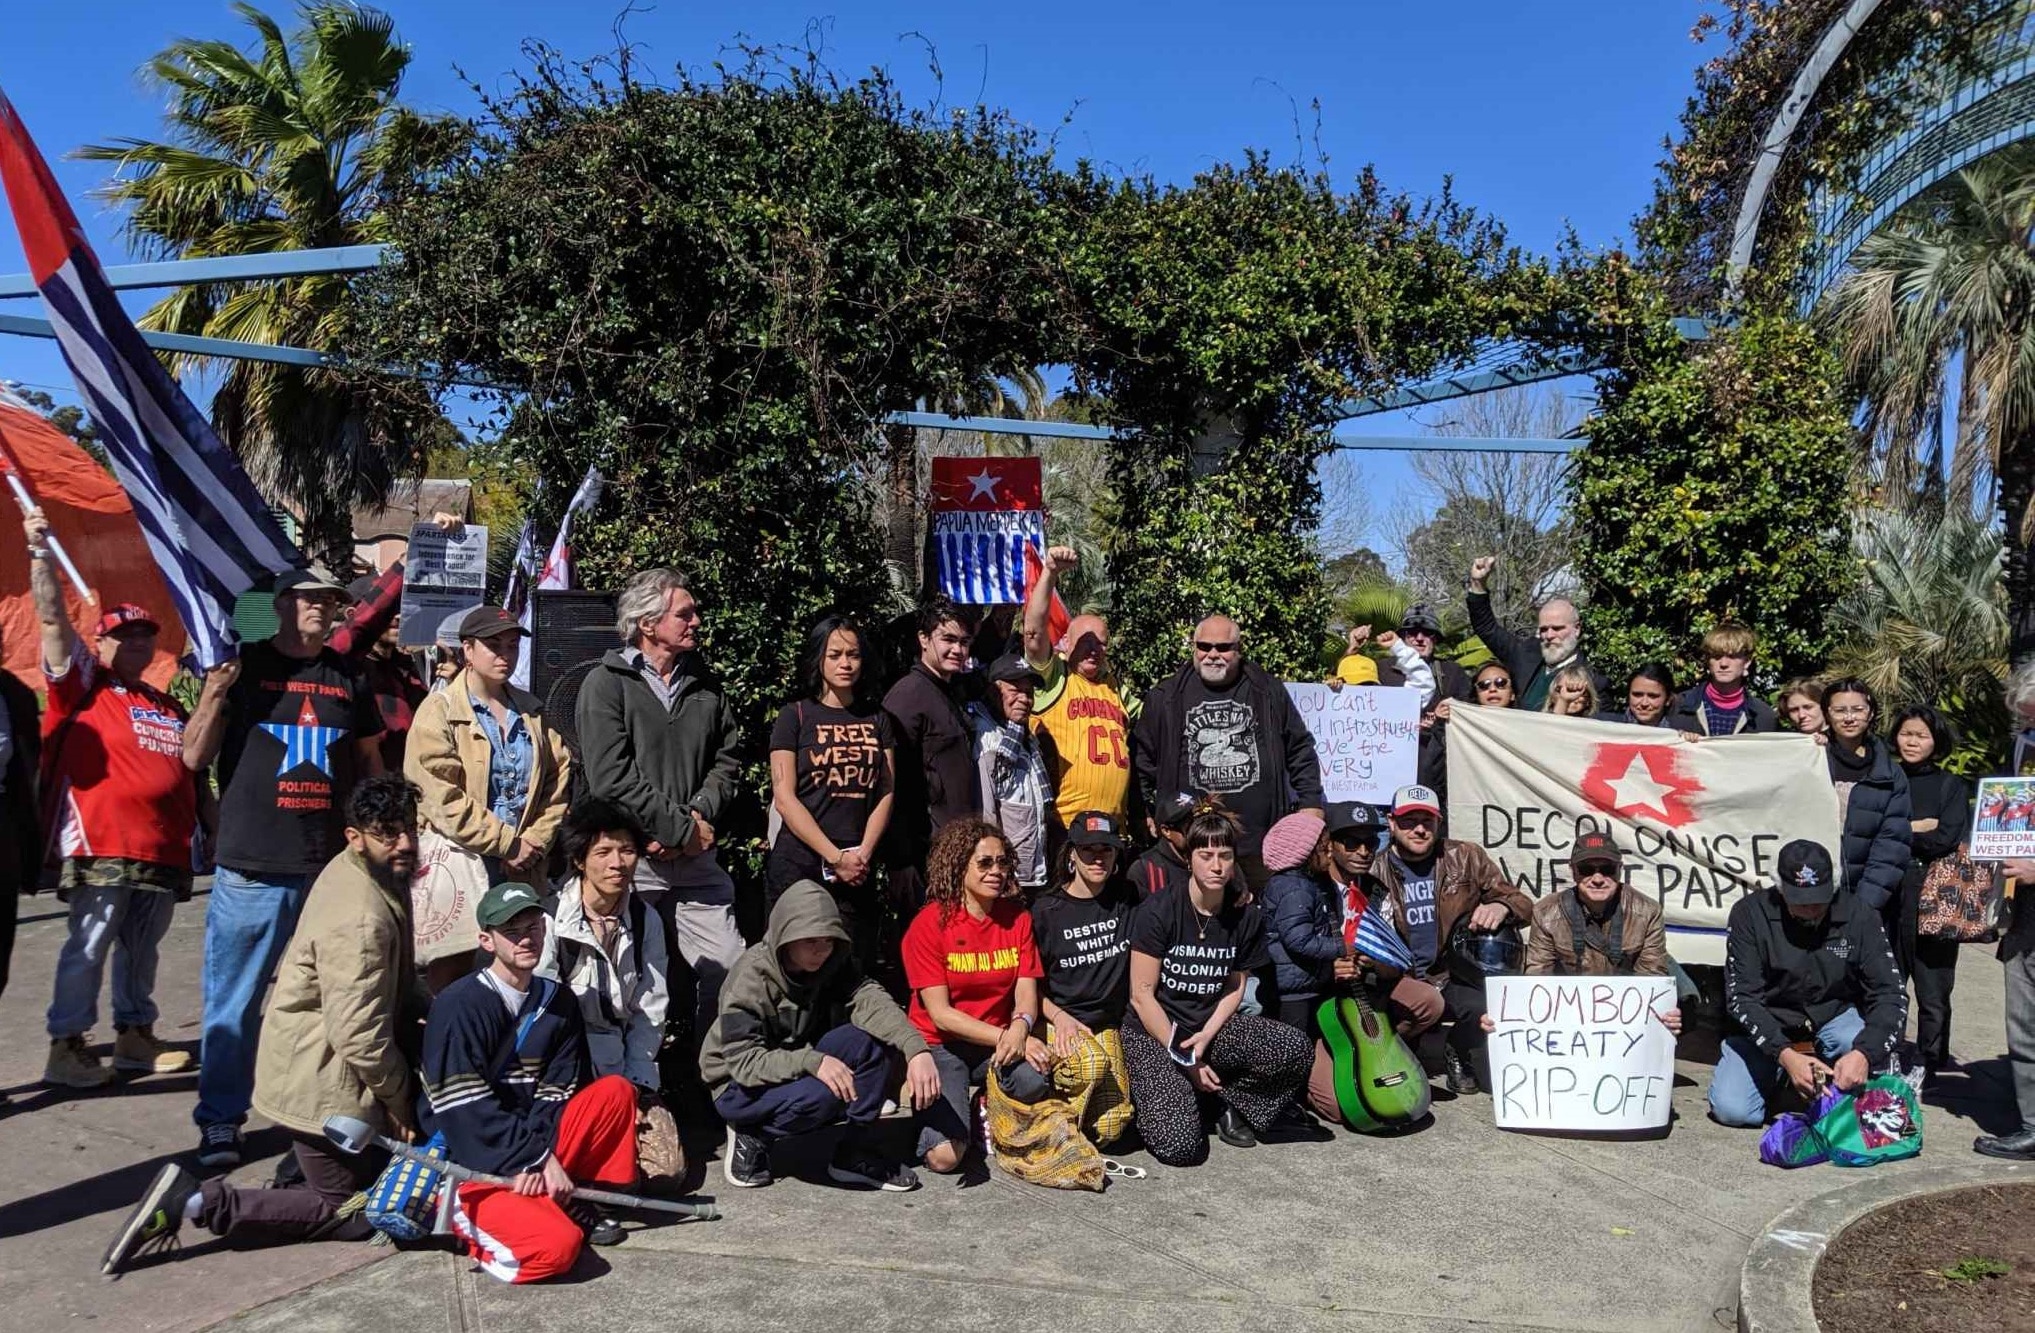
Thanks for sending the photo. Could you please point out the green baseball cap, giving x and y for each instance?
(504, 902)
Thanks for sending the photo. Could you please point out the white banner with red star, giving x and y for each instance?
(1700, 823)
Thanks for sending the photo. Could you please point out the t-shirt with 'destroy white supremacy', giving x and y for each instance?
(1197, 954)
(1084, 945)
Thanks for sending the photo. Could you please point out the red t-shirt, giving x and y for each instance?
(119, 785)
(979, 962)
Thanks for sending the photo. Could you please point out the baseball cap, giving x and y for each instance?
(127, 613)
(1595, 847)
(1093, 828)
(484, 622)
(361, 588)
(1351, 817)
(504, 902)
(306, 580)
(1015, 669)
(1407, 800)
(1420, 616)
(1805, 874)
(1173, 808)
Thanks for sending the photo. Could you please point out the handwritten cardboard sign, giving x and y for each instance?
(1367, 738)
(1581, 1053)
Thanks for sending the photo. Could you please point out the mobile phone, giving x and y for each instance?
(1176, 1047)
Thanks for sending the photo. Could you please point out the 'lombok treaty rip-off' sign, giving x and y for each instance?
(1580, 1053)
(1367, 738)
(1700, 823)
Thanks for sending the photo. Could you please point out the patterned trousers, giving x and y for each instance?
(1262, 1063)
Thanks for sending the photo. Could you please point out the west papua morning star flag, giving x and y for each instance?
(557, 571)
(1700, 823)
(207, 527)
(988, 513)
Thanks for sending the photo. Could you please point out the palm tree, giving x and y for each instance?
(1927, 624)
(1939, 310)
(293, 145)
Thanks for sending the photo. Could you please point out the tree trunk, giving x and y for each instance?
(901, 539)
(2017, 488)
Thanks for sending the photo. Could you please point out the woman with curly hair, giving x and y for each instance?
(1572, 694)
(974, 972)
(1192, 948)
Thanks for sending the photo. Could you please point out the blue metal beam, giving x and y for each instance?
(1064, 430)
(228, 268)
(1463, 386)
(1459, 444)
(29, 326)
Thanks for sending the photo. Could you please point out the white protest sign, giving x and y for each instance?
(1367, 738)
(1700, 823)
(1588, 1053)
(443, 574)
(2004, 827)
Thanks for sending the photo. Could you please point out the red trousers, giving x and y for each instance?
(519, 1238)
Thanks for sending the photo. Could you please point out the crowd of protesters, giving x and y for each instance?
(1008, 901)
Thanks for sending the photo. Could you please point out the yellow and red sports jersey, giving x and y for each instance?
(1090, 727)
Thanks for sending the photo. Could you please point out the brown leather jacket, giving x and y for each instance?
(1465, 878)
(1643, 936)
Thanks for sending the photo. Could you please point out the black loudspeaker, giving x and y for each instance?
(567, 629)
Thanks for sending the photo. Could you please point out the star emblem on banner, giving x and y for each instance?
(984, 484)
(304, 741)
(1641, 781)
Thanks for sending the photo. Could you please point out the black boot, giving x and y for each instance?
(2016, 1147)
(1234, 1130)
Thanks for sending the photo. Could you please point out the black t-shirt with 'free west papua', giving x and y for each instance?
(837, 767)
(288, 762)
(1085, 947)
(1196, 954)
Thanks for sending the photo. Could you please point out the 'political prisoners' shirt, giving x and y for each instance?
(1085, 947)
(1196, 954)
(288, 763)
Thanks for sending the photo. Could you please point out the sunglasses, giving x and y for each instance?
(1203, 646)
(995, 862)
(1494, 683)
(1351, 840)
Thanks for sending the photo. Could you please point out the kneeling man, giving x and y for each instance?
(802, 1040)
(1808, 978)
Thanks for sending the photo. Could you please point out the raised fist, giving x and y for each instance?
(1481, 567)
(1060, 559)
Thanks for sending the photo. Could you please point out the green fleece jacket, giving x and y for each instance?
(770, 1017)
(662, 763)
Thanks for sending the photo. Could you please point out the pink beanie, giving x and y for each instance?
(1292, 840)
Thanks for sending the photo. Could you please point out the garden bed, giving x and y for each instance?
(1959, 1260)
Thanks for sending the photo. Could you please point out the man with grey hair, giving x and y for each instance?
(1557, 643)
(2017, 945)
(1224, 726)
(658, 738)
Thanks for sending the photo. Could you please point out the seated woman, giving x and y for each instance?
(973, 969)
(1192, 949)
(1571, 694)
(1647, 696)
(1321, 882)
(1083, 932)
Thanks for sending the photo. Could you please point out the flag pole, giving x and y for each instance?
(56, 548)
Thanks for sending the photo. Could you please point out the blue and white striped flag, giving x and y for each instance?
(207, 527)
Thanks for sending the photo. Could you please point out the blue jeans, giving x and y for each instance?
(127, 922)
(1746, 1078)
(247, 924)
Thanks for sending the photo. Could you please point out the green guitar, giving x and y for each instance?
(1379, 1084)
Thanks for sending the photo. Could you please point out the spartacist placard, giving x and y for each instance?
(1700, 823)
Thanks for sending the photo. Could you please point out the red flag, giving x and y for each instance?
(91, 516)
(1057, 618)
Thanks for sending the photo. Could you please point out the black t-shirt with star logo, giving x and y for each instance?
(288, 762)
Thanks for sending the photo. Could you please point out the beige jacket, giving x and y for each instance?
(329, 1040)
(447, 757)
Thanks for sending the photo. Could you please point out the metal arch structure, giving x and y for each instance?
(1986, 112)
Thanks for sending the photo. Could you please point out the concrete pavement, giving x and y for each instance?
(1459, 1226)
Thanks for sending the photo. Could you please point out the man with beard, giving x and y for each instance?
(1533, 662)
(1224, 726)
(339, 1039)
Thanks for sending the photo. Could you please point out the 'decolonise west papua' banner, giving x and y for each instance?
(986, 513)
(1701, 823)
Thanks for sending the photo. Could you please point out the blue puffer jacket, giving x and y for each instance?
(1876, 836)
(1306, 915)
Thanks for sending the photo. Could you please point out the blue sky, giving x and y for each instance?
(1544, 115)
